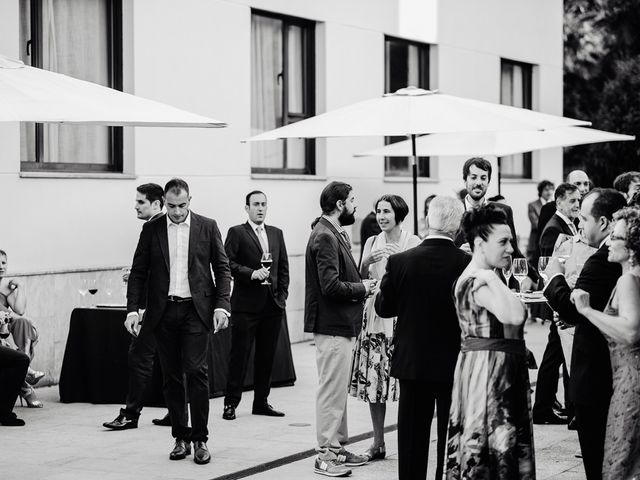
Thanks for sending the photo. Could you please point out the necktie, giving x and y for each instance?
(573, 228)
(263, 243)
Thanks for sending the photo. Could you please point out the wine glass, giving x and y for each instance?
(563, 247)
(520, 270)
(266, 262)
(507, 270)
(92, 288)
(543, 262)
(126, 271)
(83, 289)
(108, 288)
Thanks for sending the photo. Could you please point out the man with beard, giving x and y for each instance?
(334, 294)
(476, 174)
(576, 177)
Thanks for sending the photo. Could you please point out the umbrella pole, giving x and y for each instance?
(499, 175)
(414, 168)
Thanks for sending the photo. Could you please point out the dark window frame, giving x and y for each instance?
(116, 135)
(308, 28)
(527, 102)
(423, 163)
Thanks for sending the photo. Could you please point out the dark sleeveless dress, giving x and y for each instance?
(622, 440)
(490, 427)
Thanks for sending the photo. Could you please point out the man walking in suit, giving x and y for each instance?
(174, 259)
(258, 303)
(334, 294)
(576, 177)
(545, 192)
(142, 351)
(590, 366)
(417, 289)
(567, 199)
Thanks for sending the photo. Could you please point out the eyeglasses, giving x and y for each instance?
(616, 237)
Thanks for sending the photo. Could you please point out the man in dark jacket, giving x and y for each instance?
(334, 294)
(591, 382)
(417, 289)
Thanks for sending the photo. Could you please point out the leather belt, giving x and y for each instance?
(176, 299)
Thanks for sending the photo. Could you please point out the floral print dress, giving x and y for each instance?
(490, 427)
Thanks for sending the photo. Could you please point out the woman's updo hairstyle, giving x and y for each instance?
(479, 222)
(631, 216)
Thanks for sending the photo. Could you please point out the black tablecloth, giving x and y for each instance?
(94, 368)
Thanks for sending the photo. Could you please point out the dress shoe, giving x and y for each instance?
(11, 420)
(201, 453)
(549, 418)
(162, 422)
(229, 412)
(31, 400)
(267, 410)
(121, 422)
(180, 450)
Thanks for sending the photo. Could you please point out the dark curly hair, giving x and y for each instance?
(479, 222)
(631, 216)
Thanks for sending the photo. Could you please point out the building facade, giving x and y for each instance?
(256, 64)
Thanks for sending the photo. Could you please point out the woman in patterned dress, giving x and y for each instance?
(490, 427)
(371, 361)
(620, 324)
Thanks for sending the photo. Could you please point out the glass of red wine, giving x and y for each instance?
(92, 287)
(266, 262)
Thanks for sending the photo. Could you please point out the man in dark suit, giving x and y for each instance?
(628, 184)
(545, 192)
(417, 288)
(590, 366)
(334, 294)
(476, 174)
(257, 306)
(576, 177)
(567, 199)
(142, 351)
(173, 260)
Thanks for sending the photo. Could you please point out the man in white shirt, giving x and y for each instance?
(174, 260)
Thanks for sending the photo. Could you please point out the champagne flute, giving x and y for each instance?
(92, 288)
(520, 271)
(507, 270)
(108, 288)
(543, 262)
(126, 271)
(83, 289)
(563, 247)
(266, 262)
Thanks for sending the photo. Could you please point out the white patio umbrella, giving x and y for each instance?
(413, 111)
(29, 94)
(498, 144)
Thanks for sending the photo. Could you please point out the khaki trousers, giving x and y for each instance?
(333, 360)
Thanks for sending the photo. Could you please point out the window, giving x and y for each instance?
(516, 90)
(282, 91)
(83, 39)
(406, 64)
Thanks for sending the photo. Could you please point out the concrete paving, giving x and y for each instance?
(67, 441)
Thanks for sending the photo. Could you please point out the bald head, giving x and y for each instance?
(581, 180)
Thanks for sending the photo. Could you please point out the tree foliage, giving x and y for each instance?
(602, 82)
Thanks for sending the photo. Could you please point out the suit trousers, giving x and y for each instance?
(261, 329)
(13, 369)
(415, 413)
(549, 374)
(592, 426)
(183, 342)
(333, 358)
(142, 352)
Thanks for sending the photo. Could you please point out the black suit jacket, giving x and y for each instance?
(546, 212)
(417, 288)
(590, 366)
(151, 266)
(244, 252)
(554, 227)
(334, 291)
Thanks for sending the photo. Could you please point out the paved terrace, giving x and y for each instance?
(67, 441)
